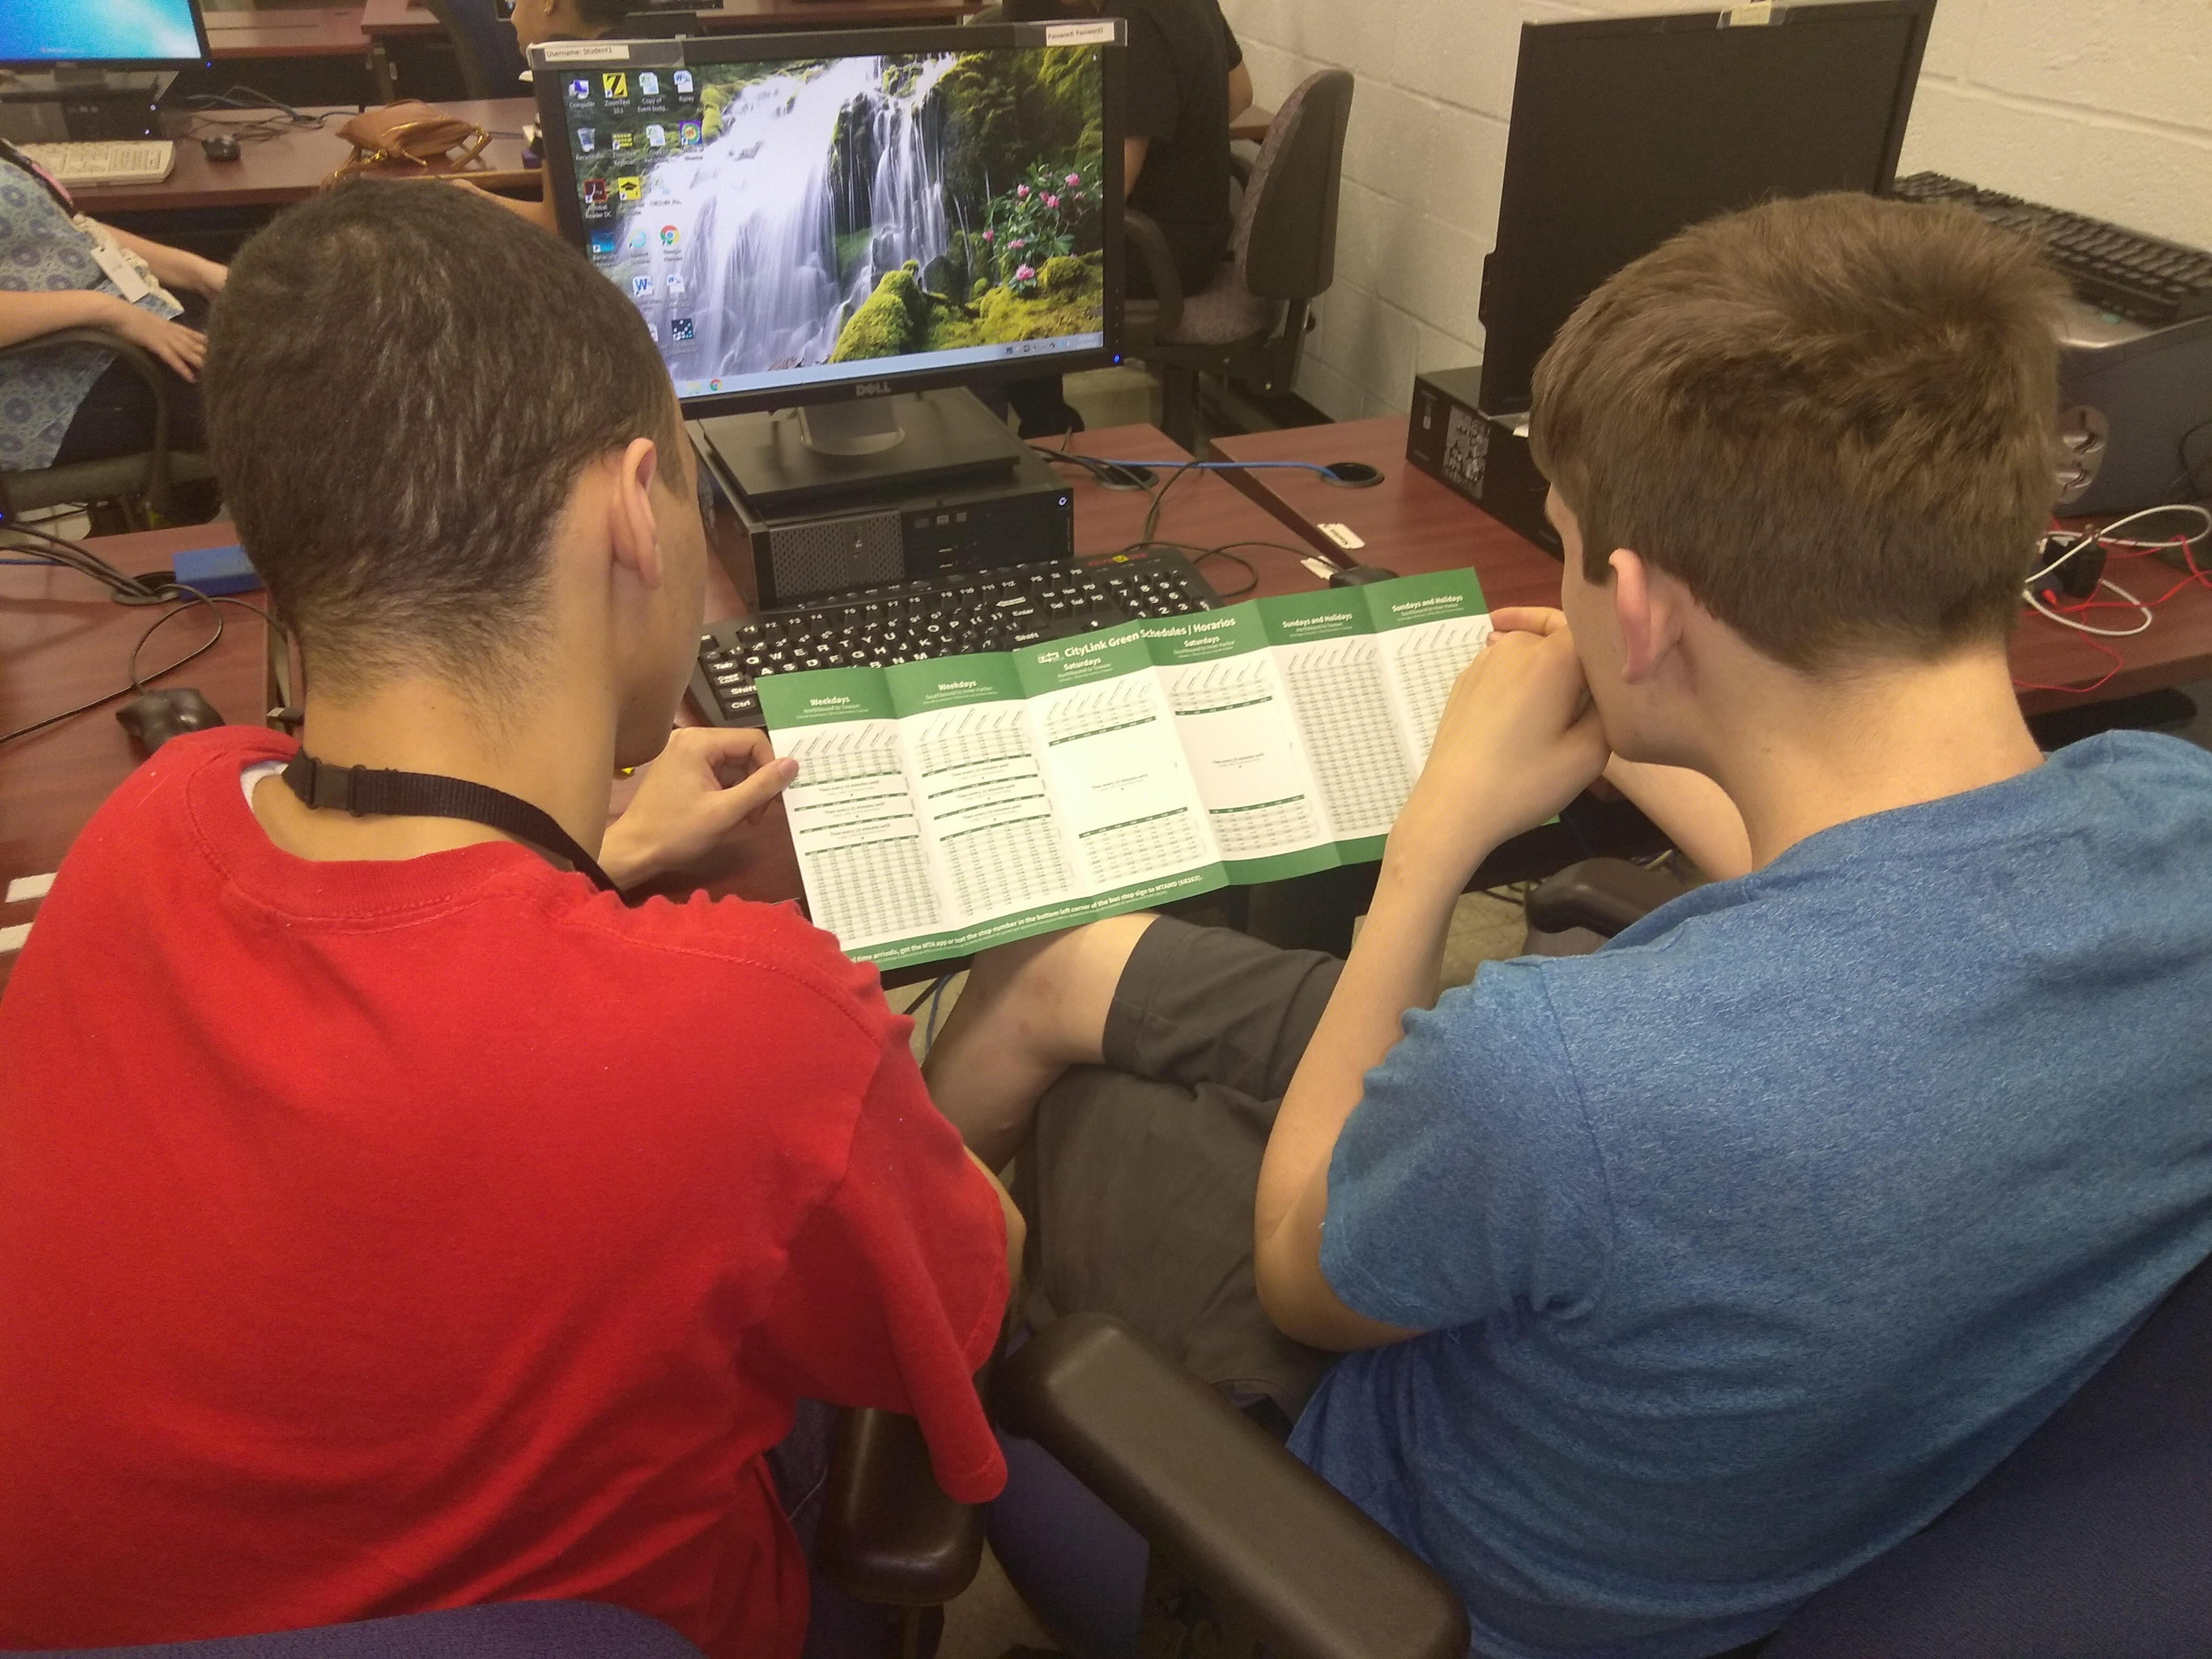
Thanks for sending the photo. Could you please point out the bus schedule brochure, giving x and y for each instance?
(944, 806)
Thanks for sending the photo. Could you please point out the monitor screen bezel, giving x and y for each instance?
(1522, 205)
(199, 33)
(548, 67)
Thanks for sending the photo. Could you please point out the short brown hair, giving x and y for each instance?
(403, 382)
(1832, 419)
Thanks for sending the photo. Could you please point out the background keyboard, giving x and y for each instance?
(944, 616)
(2142, 278)
(108, 161)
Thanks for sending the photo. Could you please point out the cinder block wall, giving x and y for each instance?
(2101, 106)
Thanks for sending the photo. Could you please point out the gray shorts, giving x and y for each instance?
(1138, 1184)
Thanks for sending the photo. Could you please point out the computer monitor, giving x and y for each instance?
(1627, 130)
(821, 218)
(102, 34)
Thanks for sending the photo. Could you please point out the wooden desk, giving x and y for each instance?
(1410, 522)
(309, 32)
(402, 20)
(63, 641)
(289, 167)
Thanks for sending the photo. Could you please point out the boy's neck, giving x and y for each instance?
(559, 757)
(1802, 755)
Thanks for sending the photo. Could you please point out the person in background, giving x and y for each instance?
(1185, 77)
(536, 21)
(59, 270)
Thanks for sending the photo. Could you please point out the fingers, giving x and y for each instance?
(743, 800)
(730, 752)
(1529, 619)
(182, 349)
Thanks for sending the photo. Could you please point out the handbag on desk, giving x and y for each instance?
(410, 139)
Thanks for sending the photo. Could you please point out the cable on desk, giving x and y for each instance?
(2116, 547)
(131, 590)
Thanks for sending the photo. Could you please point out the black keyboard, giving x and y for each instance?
(2140, 277)
(944, 616)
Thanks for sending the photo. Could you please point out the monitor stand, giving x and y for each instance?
(871, 447)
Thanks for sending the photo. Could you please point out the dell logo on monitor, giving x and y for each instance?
(872, 388)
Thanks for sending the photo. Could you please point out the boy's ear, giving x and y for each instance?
(1648, 611)
(636, 538)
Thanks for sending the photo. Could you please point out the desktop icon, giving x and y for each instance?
(637, 239)
(616, 84)
(675, 283)
(603, 242)
(641, 287)
(579, 92)
(595, 192)
(628, 187)
(682, 80)
(648, 84)
(679, 328)
(714, 386)
(587, 140)
(669, 236)
(690, 134)
(656, 137)
(625, 141)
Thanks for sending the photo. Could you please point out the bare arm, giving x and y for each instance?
(173, 267)
(1240, 91)
(1515, 743)
(1694, 811)
(27, 316)
(1132, 162)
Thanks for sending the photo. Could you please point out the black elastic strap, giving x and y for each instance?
(359, 790)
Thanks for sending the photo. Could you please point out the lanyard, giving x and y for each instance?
(53, 186)
(359, 790)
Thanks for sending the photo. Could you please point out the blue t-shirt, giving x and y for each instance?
(1748, 1244)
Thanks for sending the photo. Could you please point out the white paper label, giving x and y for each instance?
(1751, 16)
(1078, 34)
(11, 938)
(585, 51)
(1342, 535)
(29, 887)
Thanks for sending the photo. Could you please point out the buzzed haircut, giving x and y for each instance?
(1833, 419)
(403, 382)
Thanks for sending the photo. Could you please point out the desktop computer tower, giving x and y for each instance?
(2151, 388)
(1024, 514)
(1484, 457)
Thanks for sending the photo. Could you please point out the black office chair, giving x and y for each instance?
(490, 60)
(1250, 321)
(2090, 1541)
(138, 483)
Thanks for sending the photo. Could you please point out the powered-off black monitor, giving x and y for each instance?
(1627, 130)
(101, 34)
(809, 218)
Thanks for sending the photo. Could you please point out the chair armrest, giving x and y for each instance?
(1150, 244)
(889, 1536)
(141, 363)
(1259, 1530)
(1606, 896)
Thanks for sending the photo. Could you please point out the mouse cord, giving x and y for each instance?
(187, 597)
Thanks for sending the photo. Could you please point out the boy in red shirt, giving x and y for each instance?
(390, 1218)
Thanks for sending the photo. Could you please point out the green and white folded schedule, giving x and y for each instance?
(946, 805)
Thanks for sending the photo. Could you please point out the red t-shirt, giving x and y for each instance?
(384, 1237)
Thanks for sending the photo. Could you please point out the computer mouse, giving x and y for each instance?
(1359, 575)
(219, 147)
(154, 718)
(1351, 475)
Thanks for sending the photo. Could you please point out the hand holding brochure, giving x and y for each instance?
(945, 806)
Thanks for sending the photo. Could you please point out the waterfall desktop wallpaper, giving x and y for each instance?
(770, 218)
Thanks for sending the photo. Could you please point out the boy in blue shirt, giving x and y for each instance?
(1678, 1281)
